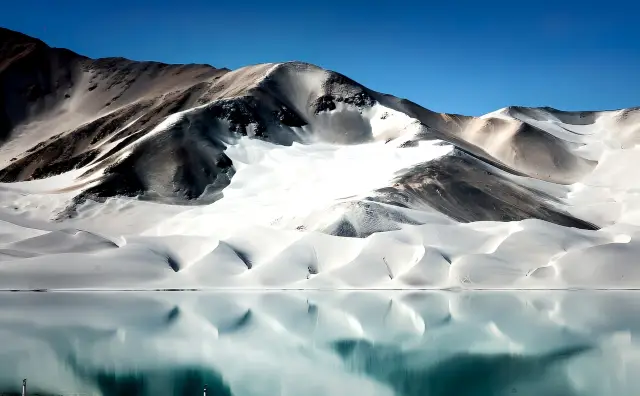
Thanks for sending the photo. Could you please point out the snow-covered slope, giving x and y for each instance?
(139, 175)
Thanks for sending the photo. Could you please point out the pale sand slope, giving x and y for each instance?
(321, 343)
(290, 176)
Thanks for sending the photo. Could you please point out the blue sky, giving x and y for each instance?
(466, 57)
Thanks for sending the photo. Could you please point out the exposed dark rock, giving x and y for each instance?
(64, 165)
(324, 103)
(289, 118)
(464, 189)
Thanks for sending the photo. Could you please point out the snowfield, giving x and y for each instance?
(288, 176)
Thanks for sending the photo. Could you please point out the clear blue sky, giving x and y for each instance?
(467, 57)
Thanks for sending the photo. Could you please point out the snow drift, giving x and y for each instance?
(140, 175)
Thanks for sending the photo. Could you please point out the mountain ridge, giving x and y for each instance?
(247, 99)
(289, 175)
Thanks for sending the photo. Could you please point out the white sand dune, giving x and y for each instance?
(139, 175)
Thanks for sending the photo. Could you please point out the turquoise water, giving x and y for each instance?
(549, 343)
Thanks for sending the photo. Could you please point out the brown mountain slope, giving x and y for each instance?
(60, 111)
(46, 92)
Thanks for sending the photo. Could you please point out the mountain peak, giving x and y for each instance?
(14, 37)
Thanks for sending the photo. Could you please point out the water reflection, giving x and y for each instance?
(470, 374)
(321, 343)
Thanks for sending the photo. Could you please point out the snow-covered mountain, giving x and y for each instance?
(140, 175)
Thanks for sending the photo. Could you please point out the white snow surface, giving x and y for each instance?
(266, 231)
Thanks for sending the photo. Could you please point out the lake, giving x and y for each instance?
(480, 343)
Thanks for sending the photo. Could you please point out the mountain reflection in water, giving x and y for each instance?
(321, 343)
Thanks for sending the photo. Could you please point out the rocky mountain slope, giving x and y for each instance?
(80, 135)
